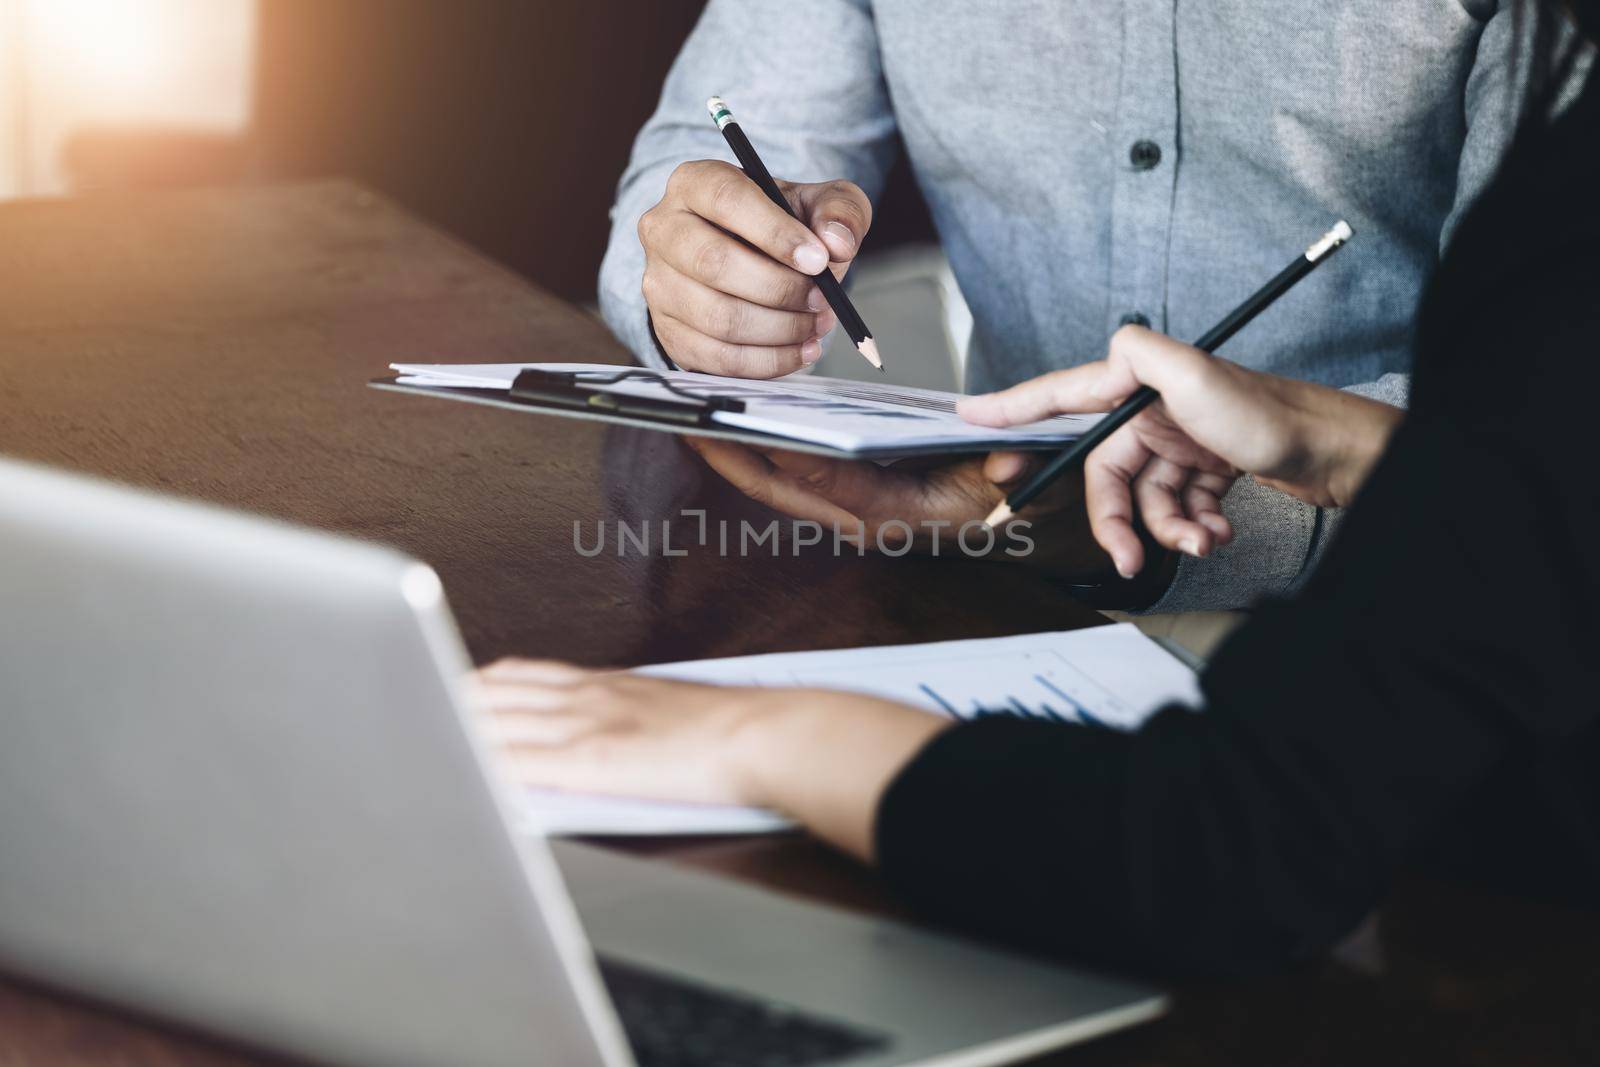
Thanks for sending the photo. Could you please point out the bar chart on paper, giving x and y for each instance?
(1109, 677)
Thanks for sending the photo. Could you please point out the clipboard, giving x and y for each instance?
(563, 395)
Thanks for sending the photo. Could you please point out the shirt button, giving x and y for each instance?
(1145, 155)
(1134, 318)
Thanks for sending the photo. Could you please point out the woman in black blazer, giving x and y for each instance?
(1340, 738)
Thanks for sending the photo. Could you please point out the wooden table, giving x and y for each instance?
(216, 345)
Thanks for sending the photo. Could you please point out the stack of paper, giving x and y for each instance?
(855, 417)
(1107, 676)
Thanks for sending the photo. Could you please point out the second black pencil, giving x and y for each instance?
(1235, 321)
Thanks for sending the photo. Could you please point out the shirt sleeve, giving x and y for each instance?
(1337, 735)
(806, 83)
(1498, 91)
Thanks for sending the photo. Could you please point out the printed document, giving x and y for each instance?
(1105, 677)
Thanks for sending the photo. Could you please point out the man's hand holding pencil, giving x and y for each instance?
(729, 276)
(742, 270)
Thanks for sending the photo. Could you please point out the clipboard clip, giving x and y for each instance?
(582, 391)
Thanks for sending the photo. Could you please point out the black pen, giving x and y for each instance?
(1237, 320)
(849, 318)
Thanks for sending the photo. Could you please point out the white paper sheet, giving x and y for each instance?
(1111, 676)
(848, 415)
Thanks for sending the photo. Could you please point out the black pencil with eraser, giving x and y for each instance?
(849, 318)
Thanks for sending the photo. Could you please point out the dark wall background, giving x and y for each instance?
(506, 122)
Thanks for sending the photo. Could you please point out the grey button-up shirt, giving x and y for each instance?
(1087, 161)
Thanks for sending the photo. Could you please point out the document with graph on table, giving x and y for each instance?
(809, 412)
(1106, 677)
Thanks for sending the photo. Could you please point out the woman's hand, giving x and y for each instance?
(822, 756)
(1214, 421)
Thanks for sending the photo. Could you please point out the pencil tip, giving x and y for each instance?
(869, 349)
(1001, 515)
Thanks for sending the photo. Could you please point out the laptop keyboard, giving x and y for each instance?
(671, 1022)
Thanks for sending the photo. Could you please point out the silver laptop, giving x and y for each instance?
(239, 789)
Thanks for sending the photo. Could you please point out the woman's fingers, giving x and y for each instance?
(534, 672)
(552, 767)
(1202, 499)
(1056, 393)
(520, 728)
(614, 732)
(1180, 505)
(529, 696)
(1107, 484)
(1141, 356)
(1158, 491)
(1137, 357)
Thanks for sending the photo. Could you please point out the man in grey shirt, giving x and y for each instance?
(1088, 164)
